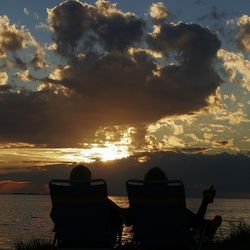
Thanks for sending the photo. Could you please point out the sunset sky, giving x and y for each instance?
(98, 81)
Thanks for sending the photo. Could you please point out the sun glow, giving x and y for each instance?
(107, 149)
(107, 153)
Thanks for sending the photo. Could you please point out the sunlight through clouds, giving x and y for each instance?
(67, 155)
(98, 81)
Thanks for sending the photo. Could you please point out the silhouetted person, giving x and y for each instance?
(155, 174)
(194, 220)
(78, 175)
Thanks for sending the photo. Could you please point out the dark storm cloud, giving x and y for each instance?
(196, 44)
(194, 79)
(43, 118)
(116, 87)
(68, 21)
(119, 84)
(77, 25)
(110, 78)
(197, 171)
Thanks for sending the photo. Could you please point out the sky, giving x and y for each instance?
(100, 82)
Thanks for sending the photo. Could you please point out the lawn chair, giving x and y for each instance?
(158, 213)
(80, 214)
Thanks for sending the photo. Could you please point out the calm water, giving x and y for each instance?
(25, 217)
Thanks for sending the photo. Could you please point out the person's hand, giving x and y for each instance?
(209, 194)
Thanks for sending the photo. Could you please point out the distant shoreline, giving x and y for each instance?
(24, 194)
(47, 194)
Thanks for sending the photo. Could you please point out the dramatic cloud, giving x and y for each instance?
(38, 61)
(194, 79)
(244, 33)
(77, 25)
(43, 118)
(112, 73)
(13, 40)
(158, 11)
(233, 118)
(235, 67)
(3, 78)
(23, 75)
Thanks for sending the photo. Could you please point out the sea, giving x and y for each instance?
(26, 217)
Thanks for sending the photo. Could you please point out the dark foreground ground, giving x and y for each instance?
(239, 239)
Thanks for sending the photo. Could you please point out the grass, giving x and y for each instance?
(34, 245)
(238, 239)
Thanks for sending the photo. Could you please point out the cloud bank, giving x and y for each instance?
(197, 171)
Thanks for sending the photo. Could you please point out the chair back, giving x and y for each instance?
(158, 211)
(79, 211)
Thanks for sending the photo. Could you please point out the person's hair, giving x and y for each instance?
(80, 173)
(155, 174)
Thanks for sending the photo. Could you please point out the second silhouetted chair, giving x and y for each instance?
(158, 214)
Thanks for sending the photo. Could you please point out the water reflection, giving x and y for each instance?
(25, 217)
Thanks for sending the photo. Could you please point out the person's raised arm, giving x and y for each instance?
(208, 197)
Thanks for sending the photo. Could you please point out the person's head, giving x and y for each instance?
(155, 174)
(80, 173)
